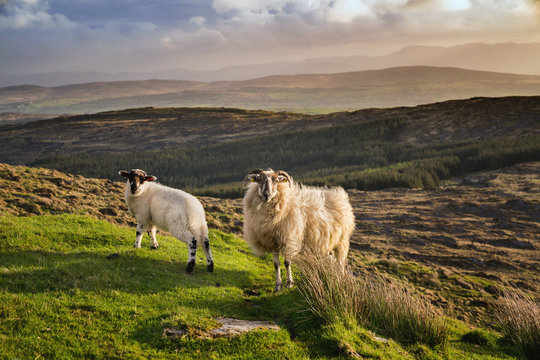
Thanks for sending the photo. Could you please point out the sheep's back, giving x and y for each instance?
(329, 217)
(175, 208)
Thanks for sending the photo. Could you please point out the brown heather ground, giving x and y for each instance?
(460, 245)
(26, 191)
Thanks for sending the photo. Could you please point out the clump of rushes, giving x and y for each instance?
(519, 317)
(387, 309)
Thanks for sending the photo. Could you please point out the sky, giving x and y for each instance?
(141, 35)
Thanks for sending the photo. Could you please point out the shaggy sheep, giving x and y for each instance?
(157, 206)
(281, 217)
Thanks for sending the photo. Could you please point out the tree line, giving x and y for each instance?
(364, 156)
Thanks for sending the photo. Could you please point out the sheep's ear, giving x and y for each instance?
(283, 176)
(123, 173)
(150, 178)
(252, 176)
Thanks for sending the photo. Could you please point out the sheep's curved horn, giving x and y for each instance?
(287, 176)
(251, 175)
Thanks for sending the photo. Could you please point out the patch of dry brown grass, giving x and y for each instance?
(387, 308)
(519, 317)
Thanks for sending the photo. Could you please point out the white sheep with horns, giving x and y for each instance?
(282, 217)
(158, 206)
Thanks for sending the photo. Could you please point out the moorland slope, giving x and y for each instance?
(145, 129)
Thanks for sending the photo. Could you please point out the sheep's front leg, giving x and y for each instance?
(278, 272)
(290, 281)
(192, 255)
(153, 241)
(140, 232)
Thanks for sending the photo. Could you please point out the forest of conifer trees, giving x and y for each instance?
(364, 156)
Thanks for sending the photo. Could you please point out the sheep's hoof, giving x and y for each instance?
(154, 247)
(137, 246)
(190, 266)
(277, 288)
(289, 284)
(210, 267)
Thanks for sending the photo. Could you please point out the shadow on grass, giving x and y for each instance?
(42, 271)
(491, 349)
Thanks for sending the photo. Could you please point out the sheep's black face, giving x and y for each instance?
(268, 182)
(136, 178)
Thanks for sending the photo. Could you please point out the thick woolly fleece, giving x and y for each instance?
(299, 217)
(155, 205)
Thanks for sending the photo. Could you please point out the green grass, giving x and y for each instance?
(61, 298)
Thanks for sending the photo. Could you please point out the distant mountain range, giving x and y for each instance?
(506, 57)
(308, 93)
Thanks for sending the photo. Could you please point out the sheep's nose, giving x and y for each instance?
(266, 194)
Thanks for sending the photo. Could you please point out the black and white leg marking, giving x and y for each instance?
(192, 255)
(153, 241)
(140, 231)
(208, 255)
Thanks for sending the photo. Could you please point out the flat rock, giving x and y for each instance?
(229, 327)
(232, 327)
(174, 333)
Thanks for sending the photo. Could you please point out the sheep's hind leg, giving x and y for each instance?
(153, 241)
(340, 254)
(290, 281)
(208, 254)
(192, 255)
(277, 288)
(140, 232)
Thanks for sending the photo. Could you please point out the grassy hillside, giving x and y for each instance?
(61, 297)
(312, 93)
(460, 244)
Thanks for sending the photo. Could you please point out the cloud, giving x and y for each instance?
(341, 11)
(136, 35)
(365, 20)
(25, 14)
(199, 20)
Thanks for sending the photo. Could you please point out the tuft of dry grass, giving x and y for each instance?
(386, 308)
(519, 318)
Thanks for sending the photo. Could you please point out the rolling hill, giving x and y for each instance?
(503, 57)
(311, 93)
(148, 129)
(209, 150)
